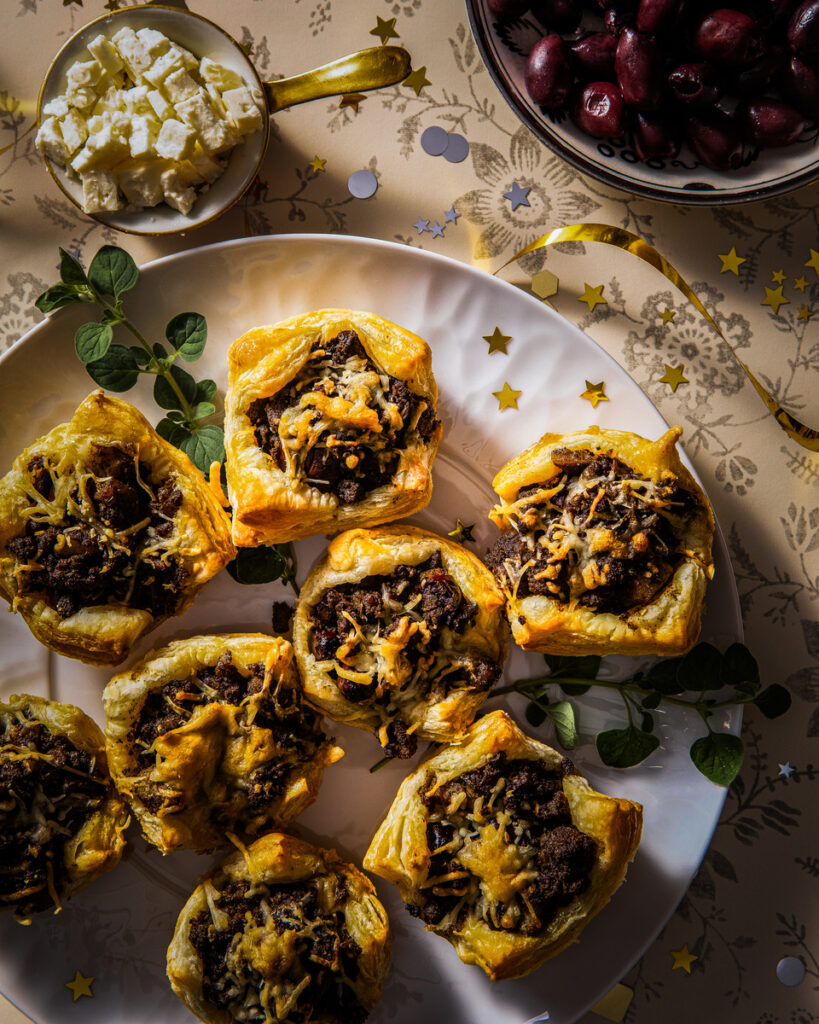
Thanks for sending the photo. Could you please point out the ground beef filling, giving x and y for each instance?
(346, 462)
(503, 848)
(326, 955)
(295, 726)
(108, 547)
(396, 636)
(48, 790)
(601, 536)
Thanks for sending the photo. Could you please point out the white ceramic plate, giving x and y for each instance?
(117, 930)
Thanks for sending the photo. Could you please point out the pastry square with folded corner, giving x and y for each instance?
(501, 847)
(210, 735)
(106, 530)
(605, 544)
(330, 422)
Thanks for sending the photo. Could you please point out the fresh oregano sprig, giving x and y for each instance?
(704, 680)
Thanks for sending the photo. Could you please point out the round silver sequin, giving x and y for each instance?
(362, 184)
(791, 971)
(434, 140)
(457, 148)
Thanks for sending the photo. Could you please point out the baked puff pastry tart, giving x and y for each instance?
(210, 735)
(329, 423)
(61, 821)
(400, 632)
(281, 933)
(105, 530)
(605, 545)
(498, 845)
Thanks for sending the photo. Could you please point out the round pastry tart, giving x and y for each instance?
(61, 822)
(281, 933)
(329, 423)
(400, 632)
(498, 845)
(605, 545)
(210, 735)
(106, 529)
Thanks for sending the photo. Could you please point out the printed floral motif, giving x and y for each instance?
(17, 311)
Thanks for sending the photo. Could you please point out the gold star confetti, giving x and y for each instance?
(593, 296)
(80, 986)
(814, 261)
(684, 959)
(317, 164)
(595, 393)
(545, 284)
(614, 1004)
(673, 376)
(730, 261)
(417, 80)
(497, 341)
(805, 313)
(507, 397)
(384, 29)
(351, 99)
(462, 532)
(774, 298)
(800, 284)
(778, 276)
(668, 315)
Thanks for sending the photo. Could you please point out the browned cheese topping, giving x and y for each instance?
(100, 534)
(341, 423)
(504, 848)
(279, 953)
(597, 535)
(392, 641)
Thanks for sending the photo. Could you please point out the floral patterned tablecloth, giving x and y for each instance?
(756, 896)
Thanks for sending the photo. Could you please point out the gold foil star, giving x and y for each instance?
(497, 341)
(730, 261)
(351, 99)
(778, 276)
(800, 284)
(417, 79)
(805, 313)
(813, 261)
(774, 298)
(507, 397)
(673, 376)
(595, 393)
(462, 532)
(593, 296)
(317, 164)
(668, 315)
(614, 1004)
(684, 959)
(80, 986)
(384, 29)
(545, 284)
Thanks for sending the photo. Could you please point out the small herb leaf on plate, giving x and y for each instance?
(116, 371)
(718, 755)
(57, 296)
(773, 701)
(204, 447)
(188, 333)
(92, 341)
(71, 270)
(623, 748)
(113, 271)
(562, 714)
(164, 394)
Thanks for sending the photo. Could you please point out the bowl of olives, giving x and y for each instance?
(685, 101)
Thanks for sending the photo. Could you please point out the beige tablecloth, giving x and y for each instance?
(756, 896)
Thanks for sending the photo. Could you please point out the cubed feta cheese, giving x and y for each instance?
(95, 124)
(177, 194)
(162, 67)
(214, 133)
(106, 54)
(189, 61)
(133, 52)
(74, 131)
(154, 42)
(144, 131)
(135, 100)
(175, 140)
(206, 167)
(218, 75)
(101, 151)
(216, 101)
(160, 105)
(142, 184)
(99, 192)
(84, 74)
(56, 108)
(81, 99)
(50, 142)
(243, 110)
(179, 86)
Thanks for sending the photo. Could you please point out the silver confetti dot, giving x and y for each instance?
(434, 140)
(456, 149)
(362, 184)
(791, 971)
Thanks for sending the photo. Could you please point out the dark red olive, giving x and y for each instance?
(655, 135)
(594, 56)
(557, 15)
(755, 79)
(800, 86)
(767, 123)
(781, 10)
(803, 29)
(696, 85)
(728, 37)
(715, 139)
(598, 110)
(619, 17)
(548, 74)
(507, 9)
(657, 16)
(639, 70)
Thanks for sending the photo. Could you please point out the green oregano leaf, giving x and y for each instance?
(165, 396)
(562, 714)
(257, 565)
(92, 341)
(203, 410)
(718, 756)
(535, 714)
(205, 390)
(773, 701)
(71, 270)
(701, 668)
(205, 446)
(113, 271)
(740, 670)
(57, 296)
(647, 722)
(140, 355)
(188, 332)
(662, 677)
(623, 748)
(586, 667)
(172, 432)
(116, 371)
(651, 701)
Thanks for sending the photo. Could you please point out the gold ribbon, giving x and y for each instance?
(805, 436)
